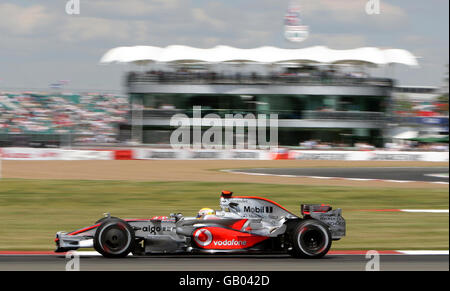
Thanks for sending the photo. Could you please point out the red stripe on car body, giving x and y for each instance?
(84, 229)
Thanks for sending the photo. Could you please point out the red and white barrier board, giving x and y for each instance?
(38, 154)
(180, 154)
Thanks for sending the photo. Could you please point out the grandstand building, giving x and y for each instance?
(312, 90)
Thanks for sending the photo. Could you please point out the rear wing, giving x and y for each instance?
(325, 214)
(306, 209)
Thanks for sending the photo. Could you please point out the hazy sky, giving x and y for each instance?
(41, 44)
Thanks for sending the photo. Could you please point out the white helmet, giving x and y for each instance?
(205, 211)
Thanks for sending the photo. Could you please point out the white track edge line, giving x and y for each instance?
(322, 177)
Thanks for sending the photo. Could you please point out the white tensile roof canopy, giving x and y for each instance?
(265, 54)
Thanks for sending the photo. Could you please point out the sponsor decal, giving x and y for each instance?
(322, 156)
(203, 237)
(232, 242)
(262, 209)
(37, 154)
(160, 218)
(218, 238)
(162, 155)
(396, 157)
(54, 154)
(205, 155)
(238, 200)
(245, 155)
(156, 229)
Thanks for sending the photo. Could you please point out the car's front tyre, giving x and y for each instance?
(310, 239)
(114, 238)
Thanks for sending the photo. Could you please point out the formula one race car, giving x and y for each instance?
(243, 225)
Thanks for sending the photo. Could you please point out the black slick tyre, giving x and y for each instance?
(310, 239)
(114, 238)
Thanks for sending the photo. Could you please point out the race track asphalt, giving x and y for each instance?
(384, 173)
(222, 263)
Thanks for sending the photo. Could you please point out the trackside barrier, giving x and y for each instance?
(172, 154)
(279, 154)
(409, 156)
(370, 156)
(86, 155)
(30, 154)
(123, 155)
(329, 155)
(54, 154)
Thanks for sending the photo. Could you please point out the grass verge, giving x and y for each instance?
(31, 211)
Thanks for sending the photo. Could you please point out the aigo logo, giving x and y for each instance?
(203, 237)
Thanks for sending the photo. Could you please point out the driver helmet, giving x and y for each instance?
(205, 211)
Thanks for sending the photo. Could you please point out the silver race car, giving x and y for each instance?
(243, 225)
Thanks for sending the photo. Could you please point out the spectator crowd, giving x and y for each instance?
(91, 116)
(292, 75)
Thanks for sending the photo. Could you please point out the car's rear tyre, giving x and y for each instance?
(114, 238)
(310, 239)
